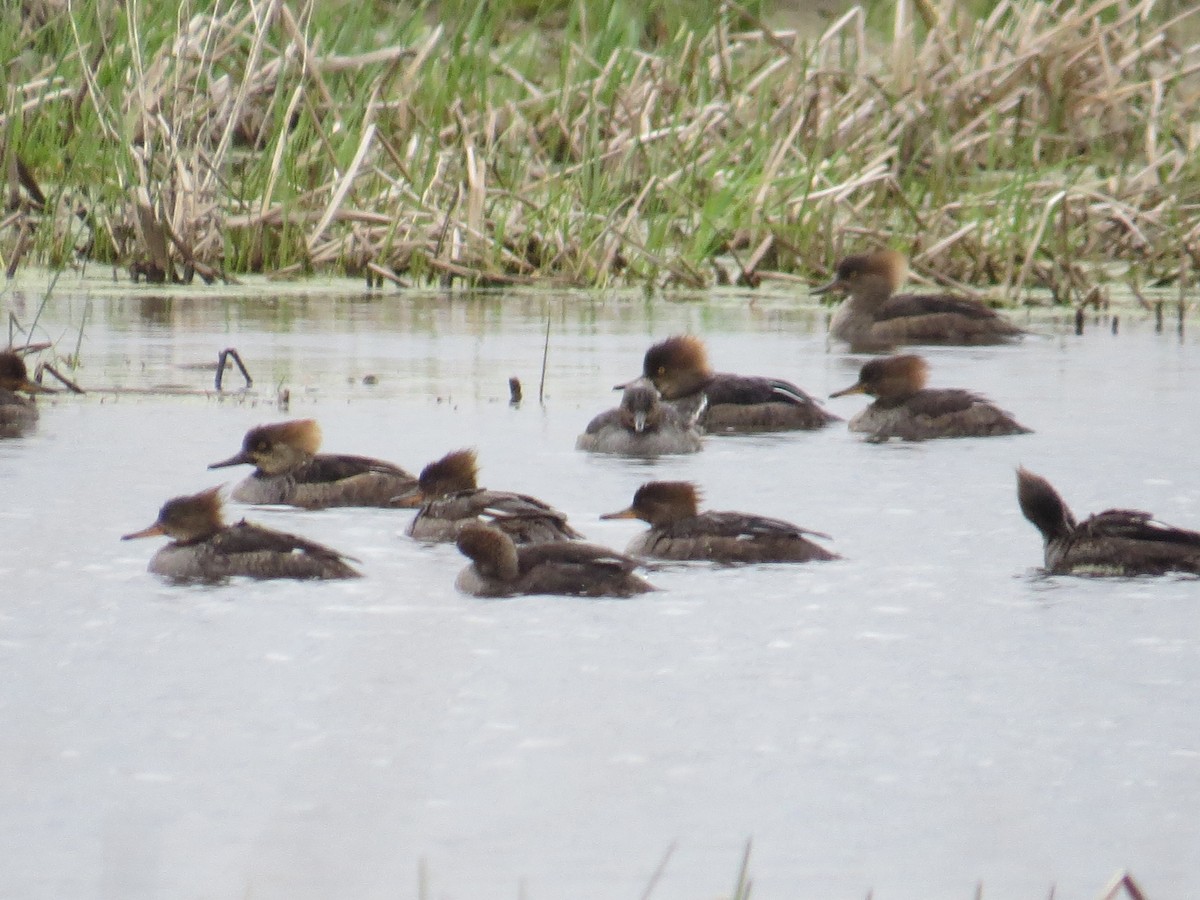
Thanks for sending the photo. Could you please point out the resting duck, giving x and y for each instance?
(499, 568)
(1113, 542)
(678, 368)
(204, 548)
(17, 414)
(449, 498)
(641, 426)
(904, 408)
(678, 530)
(289, 470)
(874, 317)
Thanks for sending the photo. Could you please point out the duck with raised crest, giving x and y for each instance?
(289, 470)
(499, 568)
(904, 408)
(204, 548)
(1114, 542)
(678, 530)
(449, 497)
(874, 317)
(678, 367)
(641, 426)
(18, 415)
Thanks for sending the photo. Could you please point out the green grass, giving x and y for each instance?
(592, 144)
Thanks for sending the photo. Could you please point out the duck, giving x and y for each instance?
(204, 548)
(904, 408)
(679, 531)
(725, 403)
(289, 471)
(499, 568)
(17, 414)
(1121, 542)
(874, 317)
(449, 497)
(642, 426)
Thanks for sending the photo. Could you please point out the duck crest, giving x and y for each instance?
(300, 434)
(683, 351)
(456, 471)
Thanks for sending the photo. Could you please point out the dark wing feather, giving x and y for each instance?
(745, 390)
(576, 555)
(329, 467)
(245, 537)
(903, 305)
(934, 402)
(735, 524)
(1136, 525)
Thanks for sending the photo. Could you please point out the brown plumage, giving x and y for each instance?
(204, 548)
(678, 368)
(1113, 542)
(678, 530)
(17, 414)
(449, 498)
(904, 408)
(641, 426)
(499, 568)
(288, 470)
(874, 317)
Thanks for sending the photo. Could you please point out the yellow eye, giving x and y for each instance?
(662, 370)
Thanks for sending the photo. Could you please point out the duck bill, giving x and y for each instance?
(639, 422)
(238, 459)
(835, 286)
(153, 531)
(408, 501)
(623, 514)
(856, 388)
(32, 387)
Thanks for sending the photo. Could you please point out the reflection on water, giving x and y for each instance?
(916, 718)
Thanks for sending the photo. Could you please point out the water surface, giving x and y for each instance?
(922, 716)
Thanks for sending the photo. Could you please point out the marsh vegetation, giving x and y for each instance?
(1027, 144)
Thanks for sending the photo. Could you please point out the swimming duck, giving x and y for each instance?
(499, 568)
(678, 530)
(1113, 542)
(679, 368)
(204, 548)
(904, 408)
(288, 470)
(449, 497)
(874, 317)
(641, 426)
(17, 415)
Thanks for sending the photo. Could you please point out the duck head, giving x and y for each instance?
(187, 519)
(456, 471)
(868, 275)
(661, 503)
(278, 448)
(15, 377)
(1042, 505)
(890, 378)
(490, 549)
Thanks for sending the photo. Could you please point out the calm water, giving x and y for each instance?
(920, 717)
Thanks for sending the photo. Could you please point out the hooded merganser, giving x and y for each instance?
(678, 530)
(641, 426)
(1113, 542)
(874, 317)
(204, 548)
(904, 408)
(499, 568)
(678, 367)
(17, 415)
(449, 498)
(288, 470)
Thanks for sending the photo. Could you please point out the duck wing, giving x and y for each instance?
(747, 389)
(736, 525)
(328, 467)
(901, 306)
(1136, 525)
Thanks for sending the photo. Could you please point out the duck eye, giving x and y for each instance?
(662, 370)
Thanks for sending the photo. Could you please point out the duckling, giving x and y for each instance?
(204, 548)
(874, 317)
(678, 367)
(17, 415)
(641, 426)
(288, 470)
(449, 497)
(678, 530)
(499, 568)
(1113, 542)
(904, 408)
